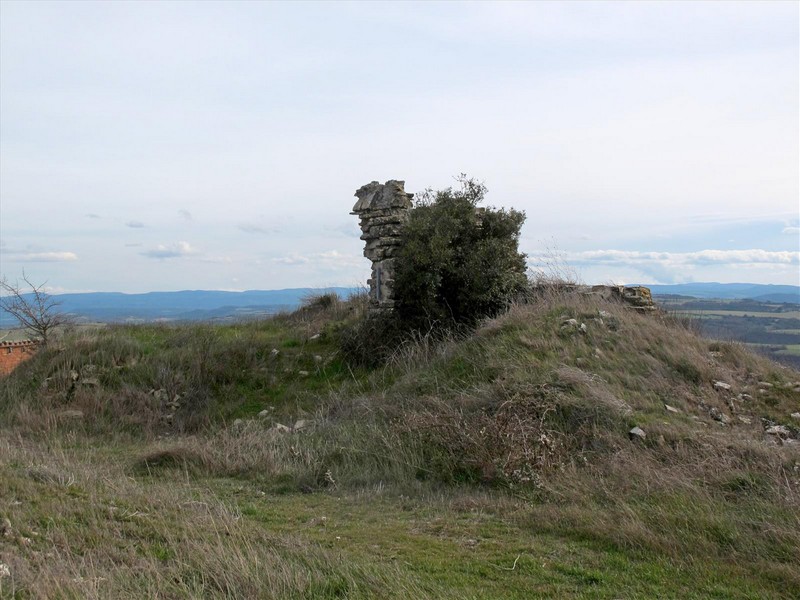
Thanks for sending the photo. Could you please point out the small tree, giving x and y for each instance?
(36, 310)
(457, 263)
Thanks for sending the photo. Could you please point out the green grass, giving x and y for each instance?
(494, 465)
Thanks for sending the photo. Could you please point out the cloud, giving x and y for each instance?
(41, 256)
(185, 214)
(92, 216)
(292, 259)
(670, 267)
(791, 230)
(176, 250)
(253, 228)
(331, 259)
(134, 224)
(702, 257)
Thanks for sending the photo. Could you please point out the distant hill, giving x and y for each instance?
(731, 291)
(188, 305)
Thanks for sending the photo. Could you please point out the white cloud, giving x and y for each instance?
(185, 214)
(41, 256)
(791, 230)
(253, 228)
(330, 259)
(134, 224)
(178, 249)
(702, 257)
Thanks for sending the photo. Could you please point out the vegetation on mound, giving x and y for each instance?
(484, 464)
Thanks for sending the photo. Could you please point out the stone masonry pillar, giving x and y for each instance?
(382, 210)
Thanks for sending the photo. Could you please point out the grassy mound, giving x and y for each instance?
(512, 442)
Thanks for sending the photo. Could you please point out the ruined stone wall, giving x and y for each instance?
(12, 354)
(382, 210)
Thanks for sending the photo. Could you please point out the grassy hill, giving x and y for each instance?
(251, 461)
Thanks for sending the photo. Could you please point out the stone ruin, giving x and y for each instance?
(382, 210)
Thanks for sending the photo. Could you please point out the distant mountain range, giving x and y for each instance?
(732, 291)
(202, 305)
(188, 305)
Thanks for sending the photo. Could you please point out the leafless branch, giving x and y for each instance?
(36, 310)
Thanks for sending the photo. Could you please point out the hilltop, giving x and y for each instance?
(570, 447)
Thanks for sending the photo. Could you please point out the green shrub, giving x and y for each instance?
(457, 263)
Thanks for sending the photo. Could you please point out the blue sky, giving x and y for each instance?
(165, 146)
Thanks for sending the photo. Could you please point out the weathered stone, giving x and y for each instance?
(71, 414)
(671, 409)
(301, 424)
(719, 416)
(779, 430)
(382, 211)
(721, 385)
(637, 433)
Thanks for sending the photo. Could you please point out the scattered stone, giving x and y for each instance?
(4, 571)
(603, 313)
(71, 414)
(582, 328)
(238, 423)
(73, 375)
(5, 528)
(303, 373)
(274, 353)
(637, 433)
(671, 409)
(301, 424)
(779, 430)
(764, 384)
(719, 416)
(264, 413)
(598, 353)
(569, 324)
(721, 385)
(317, 358)
(745, 397)
(745, 420)
(796, 415)
(314, 337)
(280, 428)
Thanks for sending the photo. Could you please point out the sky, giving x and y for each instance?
(217, 145)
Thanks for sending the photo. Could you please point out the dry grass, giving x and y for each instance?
(524, 422)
